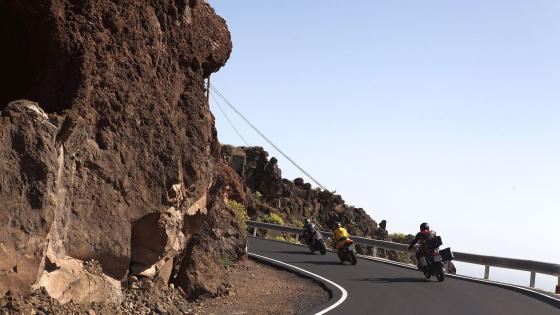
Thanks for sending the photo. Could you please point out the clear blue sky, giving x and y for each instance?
(438, 111)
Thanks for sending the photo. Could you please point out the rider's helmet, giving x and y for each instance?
(306, 221)
(337, 225)
(424, 226)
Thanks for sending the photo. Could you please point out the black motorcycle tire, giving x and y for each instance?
(340, 257)
(439, 273)
(353, 257)
(323, 248)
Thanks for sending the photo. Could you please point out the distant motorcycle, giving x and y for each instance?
(432, 263)
(316, 243)
(348, 252)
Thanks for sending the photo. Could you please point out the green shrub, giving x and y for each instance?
(282, 238)
(297, 223)
(403, 257)
(224, 260)
(239, 211)
(273, 218)
(398, 238)
(276, 237)
(258, 195)
(291, 239)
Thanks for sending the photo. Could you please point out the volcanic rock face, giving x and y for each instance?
(293, 200)
(113, 156)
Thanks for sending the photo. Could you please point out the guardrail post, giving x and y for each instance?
(374, 250)
(297, 238)
(532, 281)
(486, 272)
(255, 232)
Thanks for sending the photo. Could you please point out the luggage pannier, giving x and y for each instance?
(446, 254)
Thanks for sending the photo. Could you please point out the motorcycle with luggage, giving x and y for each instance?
(431, 262)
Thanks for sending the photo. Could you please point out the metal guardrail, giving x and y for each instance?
(531, 266)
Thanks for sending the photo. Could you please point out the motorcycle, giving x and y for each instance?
(316, 243)
(348, 252)
(432, 263)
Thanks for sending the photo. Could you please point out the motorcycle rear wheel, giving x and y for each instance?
(353, 258)
(439, 273)
(323, 249)
(340, 257)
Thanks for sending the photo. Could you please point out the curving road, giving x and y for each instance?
(379, 288)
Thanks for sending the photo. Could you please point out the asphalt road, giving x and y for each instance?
(378, 288)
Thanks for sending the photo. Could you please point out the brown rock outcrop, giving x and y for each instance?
(113, 156)
(292, 200)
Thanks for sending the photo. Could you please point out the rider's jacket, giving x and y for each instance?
(340, 235)
(308, 231)
(309, 227)
(422, 237)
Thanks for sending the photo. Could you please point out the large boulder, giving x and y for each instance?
(112, 156)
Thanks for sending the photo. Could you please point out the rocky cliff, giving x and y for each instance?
(109, 161)
(271, 198)
(293, 201)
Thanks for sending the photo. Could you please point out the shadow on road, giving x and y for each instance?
(393, 280)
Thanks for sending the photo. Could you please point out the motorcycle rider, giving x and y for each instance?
(340, 235)
(309, 230)
(423, 236)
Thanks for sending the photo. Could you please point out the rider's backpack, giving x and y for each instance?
(446, 254)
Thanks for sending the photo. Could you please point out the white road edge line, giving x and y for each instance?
(462, 277)
(328, 309)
